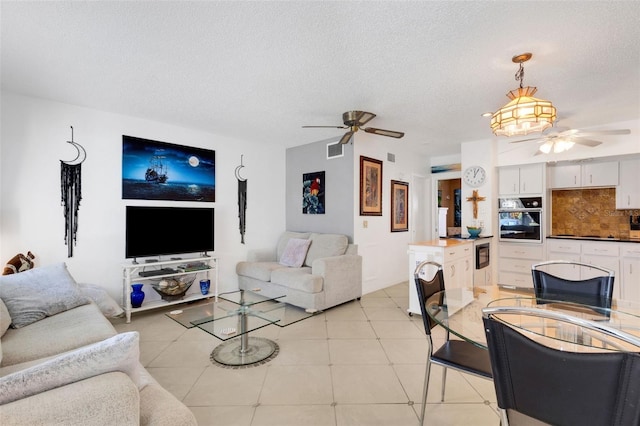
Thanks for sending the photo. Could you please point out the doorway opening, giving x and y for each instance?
(449, 207)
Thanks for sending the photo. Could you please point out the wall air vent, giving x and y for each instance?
(391, 157)
(335, 150)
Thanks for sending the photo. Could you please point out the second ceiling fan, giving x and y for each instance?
(563, 140)
(354, 120)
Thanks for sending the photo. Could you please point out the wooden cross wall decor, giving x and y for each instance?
(474, 199)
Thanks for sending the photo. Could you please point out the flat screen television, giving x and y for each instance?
(157, 231)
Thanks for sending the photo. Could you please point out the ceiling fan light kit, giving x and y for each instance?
(354, 120)
(558, 145)
(524, 114)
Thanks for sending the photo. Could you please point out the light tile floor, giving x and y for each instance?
(361, 363)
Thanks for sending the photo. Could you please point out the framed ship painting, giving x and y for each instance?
(399, 206)
(370, 187)
(313, 193)
(153, 170)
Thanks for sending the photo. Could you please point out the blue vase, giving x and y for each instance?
(204, 286)
(137, 295)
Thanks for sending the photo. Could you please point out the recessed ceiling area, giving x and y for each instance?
(262, 70)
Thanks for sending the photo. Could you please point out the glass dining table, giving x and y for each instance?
(459, 310)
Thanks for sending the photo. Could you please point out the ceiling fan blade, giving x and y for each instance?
(327, 127)
(587, 142)
(603, 132)
(382, 132)
(346, 137)
(540, 139)
(363, 117)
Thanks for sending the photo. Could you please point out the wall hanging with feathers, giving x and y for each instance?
(71, 193)
(242, 200)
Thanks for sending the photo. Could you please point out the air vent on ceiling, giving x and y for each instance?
(335, 150)
(391, 157)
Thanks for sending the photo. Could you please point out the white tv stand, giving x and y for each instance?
(130, 275)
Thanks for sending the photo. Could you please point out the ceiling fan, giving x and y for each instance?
(354, 120)
(563, 140)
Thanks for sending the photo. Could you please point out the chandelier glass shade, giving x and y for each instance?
(524, 114)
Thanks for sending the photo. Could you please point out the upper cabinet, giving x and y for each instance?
(521, 180)
(584, 175)
(628, 190)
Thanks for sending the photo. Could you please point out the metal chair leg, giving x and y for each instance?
(444, 381)
(425, 390)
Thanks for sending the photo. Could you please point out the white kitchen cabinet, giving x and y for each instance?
(600, 174)
(521, 180)
(565, 176)
(456, 258)
(603, 254)
(564, 250)
(628, 189)
(584, 175)
(515, 261)
(630, 254)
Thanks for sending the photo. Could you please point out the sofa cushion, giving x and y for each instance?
(38, 293)
(107, 399)
(325, 245)
(295, 252)
(101, 298)
(118, 353)
(257, 270)
(73, 328)
(298, 279)
(284, 239)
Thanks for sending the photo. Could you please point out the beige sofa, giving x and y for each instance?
(72, 367)
(330, 272)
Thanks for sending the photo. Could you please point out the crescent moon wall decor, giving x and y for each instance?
(71, 194)
(242, 199)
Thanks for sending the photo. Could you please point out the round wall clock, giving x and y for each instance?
(474, 176)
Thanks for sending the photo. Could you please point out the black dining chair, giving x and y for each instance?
(596, 291)
(538, 384)
(455, 354)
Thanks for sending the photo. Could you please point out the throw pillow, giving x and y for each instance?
(5, 318)
(118, 353)
(38, 293)
(100, 297)
(295, 252)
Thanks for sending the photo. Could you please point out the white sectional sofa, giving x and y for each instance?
(65, 364)
(326, 274)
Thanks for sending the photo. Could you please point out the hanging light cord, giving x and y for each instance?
(520, 74)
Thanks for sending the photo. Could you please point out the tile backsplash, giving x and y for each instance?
(589, 212)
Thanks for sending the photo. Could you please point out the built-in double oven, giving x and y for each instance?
(521, 219)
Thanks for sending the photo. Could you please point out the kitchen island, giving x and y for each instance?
(454, 254)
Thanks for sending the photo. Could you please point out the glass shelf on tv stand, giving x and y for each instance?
(131, 275)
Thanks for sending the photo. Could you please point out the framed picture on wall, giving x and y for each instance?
(313, 193)
(153, 170)
(370, 187)
(399, 206)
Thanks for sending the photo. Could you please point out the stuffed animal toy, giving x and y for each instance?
(19, 263)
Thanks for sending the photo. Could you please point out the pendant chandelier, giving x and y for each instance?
(524, 114)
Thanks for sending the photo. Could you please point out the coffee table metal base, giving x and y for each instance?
(253, 351)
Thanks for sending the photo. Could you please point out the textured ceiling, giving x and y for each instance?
(261, 70)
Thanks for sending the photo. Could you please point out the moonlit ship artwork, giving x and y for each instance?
(153, 170)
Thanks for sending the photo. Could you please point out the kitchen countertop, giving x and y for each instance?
(593, 238)
(449, 242)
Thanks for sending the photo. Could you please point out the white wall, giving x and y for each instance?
(384, 253)
(34, 135)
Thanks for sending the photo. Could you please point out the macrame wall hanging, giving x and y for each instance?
(71, 194)
(242, 200)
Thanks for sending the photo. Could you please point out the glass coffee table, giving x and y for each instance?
(233, 317)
